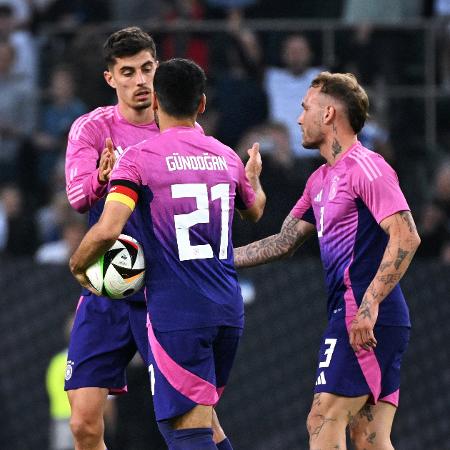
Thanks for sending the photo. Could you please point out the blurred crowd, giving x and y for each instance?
(51, 72)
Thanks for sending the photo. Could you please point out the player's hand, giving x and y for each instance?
(361, 329)
(254, 164)
(107, 160)
(84, 281)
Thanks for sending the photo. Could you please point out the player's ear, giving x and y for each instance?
(329, 113)
(202, 105)
(109, 78)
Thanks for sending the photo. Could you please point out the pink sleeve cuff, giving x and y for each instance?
(97, 188)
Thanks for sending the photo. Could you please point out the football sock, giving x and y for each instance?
(193, 439)
(224, 445)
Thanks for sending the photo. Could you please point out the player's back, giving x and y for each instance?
(190, 184)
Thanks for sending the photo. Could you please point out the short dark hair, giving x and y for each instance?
(345, 88)
(127, 42)
(179, 85)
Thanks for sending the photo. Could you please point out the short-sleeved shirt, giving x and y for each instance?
(188, 185)
(347, 202)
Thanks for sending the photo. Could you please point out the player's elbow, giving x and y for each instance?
(256, 216)
(254, 213)
(415, 240)
(78, 207)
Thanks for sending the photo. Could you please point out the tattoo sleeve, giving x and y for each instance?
(402, 244)
(274, 247)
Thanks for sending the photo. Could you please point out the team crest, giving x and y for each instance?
(69, 370)
(333, 188)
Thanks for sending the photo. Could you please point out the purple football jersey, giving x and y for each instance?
(347, 202)
(189, 185)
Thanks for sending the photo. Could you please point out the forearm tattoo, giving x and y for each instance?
(271, 248)
(396, 259)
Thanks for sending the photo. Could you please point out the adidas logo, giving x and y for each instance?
(118, 151)
(321, 379)
(318, 197)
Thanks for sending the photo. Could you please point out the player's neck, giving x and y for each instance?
(166, 122)
(336, 146)
(136, 116)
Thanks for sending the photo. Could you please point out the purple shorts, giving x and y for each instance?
(190, 367)
(105, 336)
(341, 371)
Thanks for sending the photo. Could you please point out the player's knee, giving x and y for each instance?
(320, 420)
(85, 430)
(358, 437)
(314, 421)
(363, 438)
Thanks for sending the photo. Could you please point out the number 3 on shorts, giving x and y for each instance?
(328, 352)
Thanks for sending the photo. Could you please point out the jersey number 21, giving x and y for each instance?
(183, 222)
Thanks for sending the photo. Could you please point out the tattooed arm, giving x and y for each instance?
(294, 232)
(400, 249)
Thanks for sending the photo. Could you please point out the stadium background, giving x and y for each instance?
(402, 59)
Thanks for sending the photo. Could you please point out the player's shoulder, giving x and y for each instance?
(365, 163)
(90, 120)
(318, 175)
(223, 150)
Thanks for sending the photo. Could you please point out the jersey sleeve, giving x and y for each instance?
(82, 156)
(375, 182)
(126, 179)
(127, 167)
(303, 208)
(245, 195)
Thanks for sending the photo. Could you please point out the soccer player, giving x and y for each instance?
(185, 187)
(367, 239)
(106, 334)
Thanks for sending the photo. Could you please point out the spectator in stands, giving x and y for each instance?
(69, 14)
(17, 114)
(375, 136)
(25, 63)
(185, 44)
(58, 252)
(21, 12)
(137, 10)
(374, 54)
(239, 98)
(17, 227)
(441, 10)
(51, 217)
(282, 82)
(434, 224)
(233, 9)
(58, 111)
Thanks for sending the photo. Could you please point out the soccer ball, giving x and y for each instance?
(120, 272)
